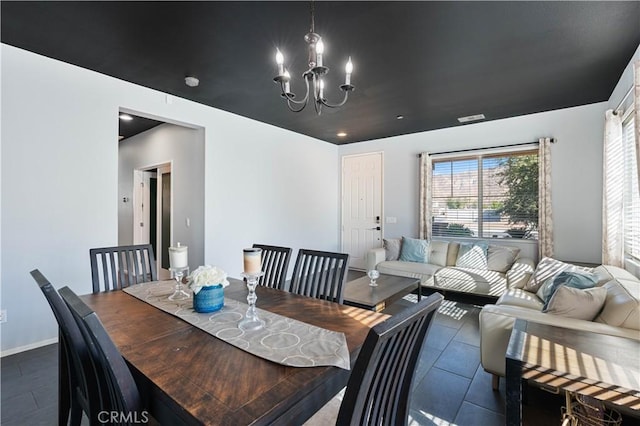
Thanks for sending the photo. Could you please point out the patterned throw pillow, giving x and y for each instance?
(579, 280)
(473, 256)
(392, 248)
(414, 250)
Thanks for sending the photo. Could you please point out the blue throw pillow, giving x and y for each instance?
(579, 280)
(414, 250)
(473, 256)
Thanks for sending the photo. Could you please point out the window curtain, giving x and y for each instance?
(545, 214)
(426, 171)
(612, 194)
(636, 102)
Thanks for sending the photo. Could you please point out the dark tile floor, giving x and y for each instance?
(450, 386)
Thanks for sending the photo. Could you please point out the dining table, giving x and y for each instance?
(188, 376)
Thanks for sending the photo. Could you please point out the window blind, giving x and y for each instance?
(492, 195)
(631, 192)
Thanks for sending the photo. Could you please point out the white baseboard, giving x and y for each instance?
(28, 347)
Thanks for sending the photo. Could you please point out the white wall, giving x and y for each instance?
(184, 149)
(60, 182)
(624, 84)
(576, 168)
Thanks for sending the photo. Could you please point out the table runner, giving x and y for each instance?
(283, 340)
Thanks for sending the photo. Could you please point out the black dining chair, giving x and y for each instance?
(113, 268)
(81, 392)
(117, 386)
(275, 262)
(379, 388)
(320, 274)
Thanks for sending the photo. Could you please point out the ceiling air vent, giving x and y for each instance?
(469, 118)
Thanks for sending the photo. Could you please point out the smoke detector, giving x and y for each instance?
(191, 81)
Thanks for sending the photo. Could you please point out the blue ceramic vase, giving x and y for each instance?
(209, 299)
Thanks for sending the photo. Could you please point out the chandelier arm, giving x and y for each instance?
(291, 108)
(327, 104)
(300, 102)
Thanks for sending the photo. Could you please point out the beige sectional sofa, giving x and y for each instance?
(444, 269)
(618, 316)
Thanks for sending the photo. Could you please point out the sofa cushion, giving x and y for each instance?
(392, 248)
(547, 268)
(423, 271)
(470, 280)
(606, 273)
(472, 256)
(622, 306)
(576, 303)
(501, 258)
(522, 298)
(452, 253)
(438, 251)
(576, 279)
(414, 250)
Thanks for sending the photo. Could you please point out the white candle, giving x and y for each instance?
(280, 62)
(348, 69)
(252, 260)
(319, 52)
(178, 257)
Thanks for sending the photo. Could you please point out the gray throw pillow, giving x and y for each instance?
(392, 248)
(575, 303)
(501, 258)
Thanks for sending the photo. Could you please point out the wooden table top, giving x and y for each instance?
(602, 366)
(204, 380)
(390, 287)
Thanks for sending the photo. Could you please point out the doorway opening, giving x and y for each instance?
(152, 203)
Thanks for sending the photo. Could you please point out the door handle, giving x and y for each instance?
(377, 228)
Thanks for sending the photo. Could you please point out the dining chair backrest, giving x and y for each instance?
(118, 388)
(275, 262)
(113, 268)
(379, 387)
(320, 274)
(83, 392)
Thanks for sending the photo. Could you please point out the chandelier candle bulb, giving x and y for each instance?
(178, 257)
(348, 69)
(280, 62)
(319, 52)
(252, 260)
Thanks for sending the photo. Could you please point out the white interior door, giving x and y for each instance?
(361, 206)
(141, 204)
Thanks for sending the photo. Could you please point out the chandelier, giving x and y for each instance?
(313, 77)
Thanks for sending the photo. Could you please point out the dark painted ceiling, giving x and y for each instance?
(128, 128)
(428, 61)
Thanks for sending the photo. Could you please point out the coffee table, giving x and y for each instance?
(598, 365)
(390, 288)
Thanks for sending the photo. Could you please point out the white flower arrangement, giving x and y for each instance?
(206, 276)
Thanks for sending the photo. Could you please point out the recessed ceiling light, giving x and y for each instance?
(341, 134)
(191, 81)
(125, 117)
(471, 118)
(399, 117)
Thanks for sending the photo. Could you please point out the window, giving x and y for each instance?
(631, 194)
(486, 196)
